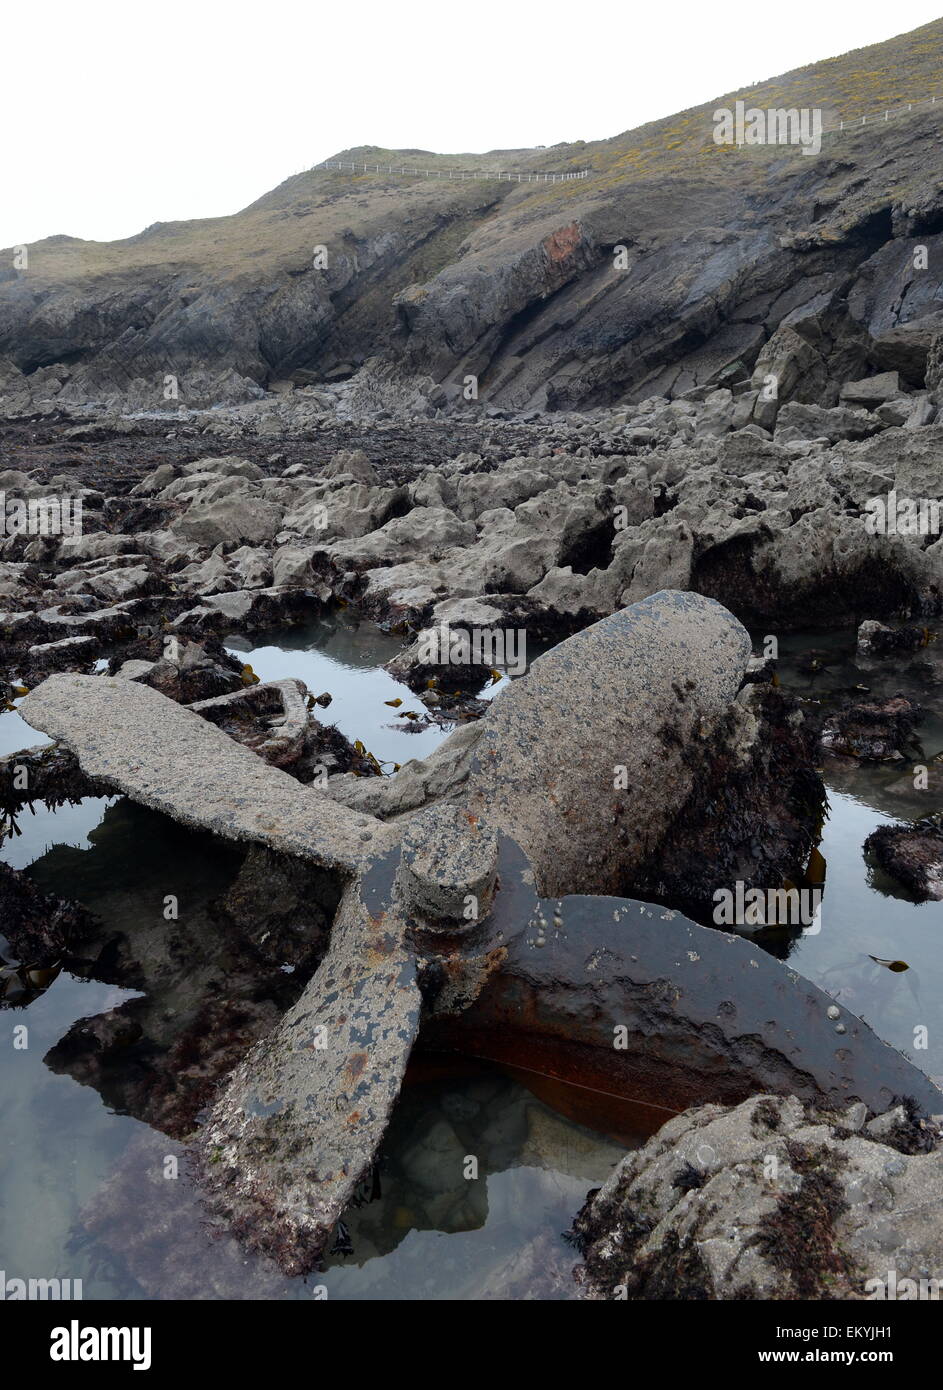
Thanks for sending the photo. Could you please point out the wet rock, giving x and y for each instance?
(934, 372)
(50, 774)
(253, 568)
(508, 557)
(913, 855)
(877, 730)
(802, 355)
(754, 812)
(227, 466)
(424, 530)
(646, 558)
(248, 567)
(923, 411)
(782, 527)
(338, 508)
(80, 616)
(911, 457)
(155, 482)
(117, 585)
(896, 411)
(772, 1199)
(877, 640)
(292, 567)
(194, 674)
(65, 654)
(249, 609)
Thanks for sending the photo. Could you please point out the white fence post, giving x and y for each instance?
(501, 175)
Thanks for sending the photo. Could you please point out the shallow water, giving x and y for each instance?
(863, 913)
(15, 733)
(344, 656)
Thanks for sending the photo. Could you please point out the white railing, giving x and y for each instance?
(848, 123)
(502, 176)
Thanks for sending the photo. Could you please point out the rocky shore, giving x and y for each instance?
(120, 629)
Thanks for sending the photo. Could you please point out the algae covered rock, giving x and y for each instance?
(770, 1199)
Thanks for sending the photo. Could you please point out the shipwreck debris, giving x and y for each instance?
(472, 922)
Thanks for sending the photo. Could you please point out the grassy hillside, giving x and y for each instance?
(279, 229)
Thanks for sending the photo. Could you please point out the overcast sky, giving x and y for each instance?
(116, 114)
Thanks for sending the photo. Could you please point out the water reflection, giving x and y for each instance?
(345, 655)
(15, 733)
(865, 915)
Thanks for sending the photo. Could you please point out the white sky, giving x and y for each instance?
(117, 113)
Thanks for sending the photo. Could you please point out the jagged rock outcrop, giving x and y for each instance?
(772, 1199)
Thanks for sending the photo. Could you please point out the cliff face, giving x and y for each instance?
(733, 259)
